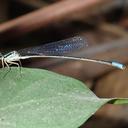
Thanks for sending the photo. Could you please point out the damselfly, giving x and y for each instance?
(58, 49)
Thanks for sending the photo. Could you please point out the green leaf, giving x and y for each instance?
(41, 99)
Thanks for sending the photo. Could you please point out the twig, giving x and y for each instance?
(54, 13)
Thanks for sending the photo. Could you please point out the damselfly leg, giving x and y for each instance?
(9, 59)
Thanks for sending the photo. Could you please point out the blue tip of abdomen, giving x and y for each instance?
(118, 65)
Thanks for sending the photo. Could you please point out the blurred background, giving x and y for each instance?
(104, 23)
